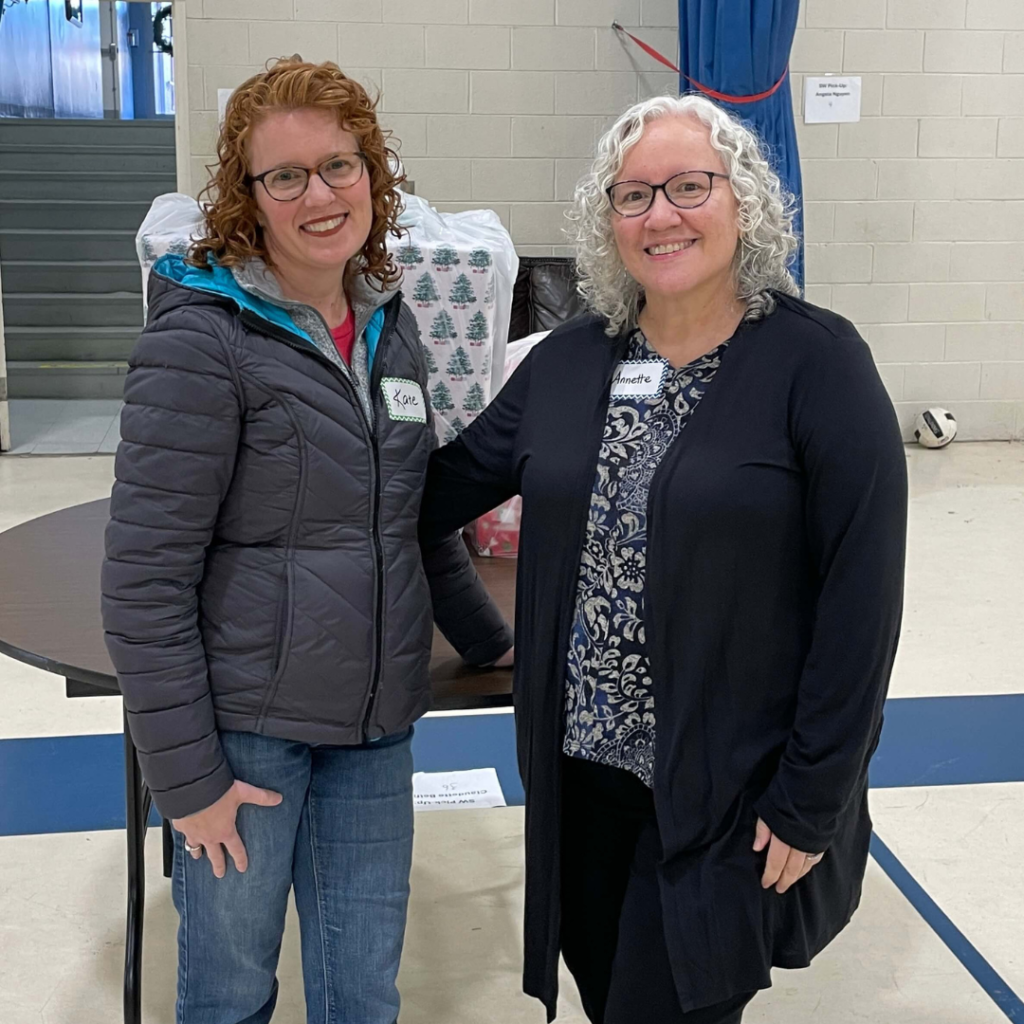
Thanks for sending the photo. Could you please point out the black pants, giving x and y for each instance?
(613, 937)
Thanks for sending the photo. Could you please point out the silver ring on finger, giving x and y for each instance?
(196, 851)
(813, 858)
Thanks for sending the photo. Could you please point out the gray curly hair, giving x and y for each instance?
(767, 240)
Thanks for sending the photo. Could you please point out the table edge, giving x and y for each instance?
(59, 668)
(109, 683)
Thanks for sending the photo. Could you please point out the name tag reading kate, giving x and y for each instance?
(404, 399)
(639, 378)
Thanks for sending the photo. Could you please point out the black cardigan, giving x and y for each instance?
(776, 538)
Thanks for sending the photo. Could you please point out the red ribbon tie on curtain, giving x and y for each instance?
(713, 93)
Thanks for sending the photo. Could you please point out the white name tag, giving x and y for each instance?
(639, 378)
(404, 399)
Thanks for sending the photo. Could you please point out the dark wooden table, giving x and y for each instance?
(50, 618)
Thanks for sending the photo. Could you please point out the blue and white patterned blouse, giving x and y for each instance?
(609, 692)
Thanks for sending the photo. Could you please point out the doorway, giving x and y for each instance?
(86, 58)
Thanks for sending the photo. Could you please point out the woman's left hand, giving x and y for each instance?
(785, 865)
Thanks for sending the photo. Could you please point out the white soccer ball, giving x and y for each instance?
(935, 428)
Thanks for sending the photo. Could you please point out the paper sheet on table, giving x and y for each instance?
(445, 791)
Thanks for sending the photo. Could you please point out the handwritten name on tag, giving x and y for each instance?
(445, 791)
(639, 378)
(404, 399)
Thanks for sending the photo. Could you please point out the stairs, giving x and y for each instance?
(72, 196)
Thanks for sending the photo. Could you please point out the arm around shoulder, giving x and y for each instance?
(467, 478)
(477, 471)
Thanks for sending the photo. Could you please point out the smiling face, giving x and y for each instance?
(671, 252)
(326, 227)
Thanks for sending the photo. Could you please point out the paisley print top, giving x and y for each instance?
(610, 696)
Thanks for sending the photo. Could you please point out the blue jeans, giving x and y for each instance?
(342, 836)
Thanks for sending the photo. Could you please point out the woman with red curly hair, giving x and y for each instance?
(266, 604)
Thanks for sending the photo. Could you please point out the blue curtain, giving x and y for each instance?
(741, 48)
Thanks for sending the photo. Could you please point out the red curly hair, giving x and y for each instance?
(233, 234)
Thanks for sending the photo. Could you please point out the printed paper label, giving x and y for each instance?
(445, 791)
(832, 100)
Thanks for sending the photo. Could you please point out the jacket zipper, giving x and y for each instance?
(279, 334)
(390, 319)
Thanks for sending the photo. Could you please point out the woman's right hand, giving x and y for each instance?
(507, 660)
(213, 828)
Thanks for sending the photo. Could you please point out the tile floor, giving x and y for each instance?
(61, 894)
(48, 426)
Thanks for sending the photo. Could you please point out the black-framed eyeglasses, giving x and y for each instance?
(686, 190)
(286, 184)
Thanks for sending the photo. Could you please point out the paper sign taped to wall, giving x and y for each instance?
(446, 791)
(832, 100)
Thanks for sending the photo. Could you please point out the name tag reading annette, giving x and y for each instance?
(639, 378)
(404, 399)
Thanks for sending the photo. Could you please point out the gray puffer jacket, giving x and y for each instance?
(262, 567)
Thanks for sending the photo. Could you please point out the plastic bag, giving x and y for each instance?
(460, 269)
(173, 222)
(497, 532)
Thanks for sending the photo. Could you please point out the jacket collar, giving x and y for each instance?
(254, 288)
(256, 279)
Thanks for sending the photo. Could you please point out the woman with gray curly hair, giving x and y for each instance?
(710, 585)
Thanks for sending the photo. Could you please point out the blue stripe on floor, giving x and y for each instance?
(950, 741)
(959, 945)
(61, 784)
(75, 783)
(470, 741)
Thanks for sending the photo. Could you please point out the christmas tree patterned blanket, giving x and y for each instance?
(459, 271)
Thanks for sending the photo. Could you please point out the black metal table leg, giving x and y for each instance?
(138, 803)
(168, 837)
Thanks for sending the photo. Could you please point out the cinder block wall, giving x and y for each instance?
(915, 216)
(496, 102)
